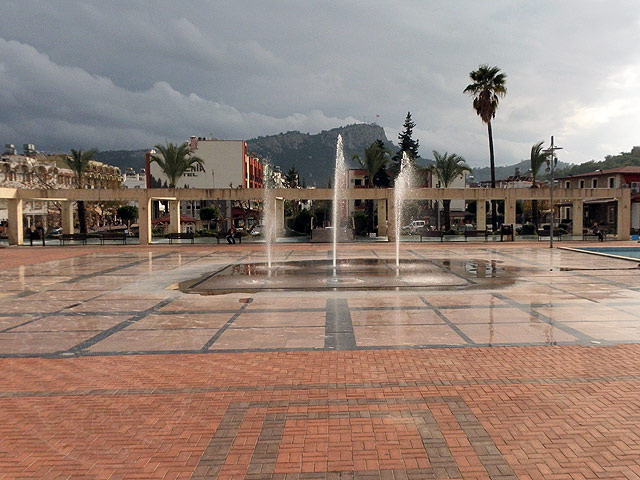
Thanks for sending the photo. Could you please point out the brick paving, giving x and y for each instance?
(110, 372)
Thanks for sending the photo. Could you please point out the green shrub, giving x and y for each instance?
(301, 223)
(360, 222)
(527, 229)
(451, 232)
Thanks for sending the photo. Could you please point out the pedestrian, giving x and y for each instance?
(231, 235)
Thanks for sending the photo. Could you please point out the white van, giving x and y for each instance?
(414, 226)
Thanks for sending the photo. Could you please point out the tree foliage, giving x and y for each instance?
(487, 87)
(78, 162)
(376, 157)
(406, 141)
(292, 178)
(175, 160)
(127, 213)
(447, 168)
(537, 159)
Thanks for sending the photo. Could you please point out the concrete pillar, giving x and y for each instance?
(481, 214)
(16, 233)
(578, 217)
(510, 207)
(67, 216)
(391, 215)
(624, 215)
(174, 216)
(279, 208)
(382, 217)
(144, 220)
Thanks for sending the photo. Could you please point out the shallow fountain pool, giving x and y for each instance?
(350, 274)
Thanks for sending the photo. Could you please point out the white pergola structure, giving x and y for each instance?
(383, 196)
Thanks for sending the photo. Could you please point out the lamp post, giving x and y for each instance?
(552, 160)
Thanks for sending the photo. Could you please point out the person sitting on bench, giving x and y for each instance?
(231, 234)
(596, 231)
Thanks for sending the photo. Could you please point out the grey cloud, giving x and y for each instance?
(127, 73)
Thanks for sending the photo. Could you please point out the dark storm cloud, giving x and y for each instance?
(130, 74)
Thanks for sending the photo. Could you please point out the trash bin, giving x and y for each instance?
(507, 232)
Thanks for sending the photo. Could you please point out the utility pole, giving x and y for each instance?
(552, 160)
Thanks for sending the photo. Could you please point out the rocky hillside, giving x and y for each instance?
(314, 155)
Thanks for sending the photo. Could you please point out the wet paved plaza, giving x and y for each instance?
(519, 362)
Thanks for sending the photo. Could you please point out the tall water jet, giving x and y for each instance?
(268, 212)
(404, 181)
(339, 193)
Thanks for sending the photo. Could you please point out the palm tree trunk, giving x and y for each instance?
(447, 215)
(370, 215)
(534, 212)
(82, 216)
(494, 212)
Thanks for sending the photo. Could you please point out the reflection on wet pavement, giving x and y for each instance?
(128, 301)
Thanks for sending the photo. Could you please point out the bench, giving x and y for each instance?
(223, 236)
(432, 234)
(476, 233)
(73, 237)
(546, 233)
(586, 233)
(113, 235)
(181, 236)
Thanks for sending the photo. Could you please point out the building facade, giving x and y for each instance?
(226, 164)
(603, 211)
(33, 169)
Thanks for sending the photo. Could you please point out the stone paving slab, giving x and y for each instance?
(108, 371)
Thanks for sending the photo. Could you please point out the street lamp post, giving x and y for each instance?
(552, 160)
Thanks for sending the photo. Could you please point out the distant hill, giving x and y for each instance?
(314, 155)
(623, 159)
(484, 173)
(123, 158)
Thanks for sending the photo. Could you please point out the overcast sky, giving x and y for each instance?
(124, 74)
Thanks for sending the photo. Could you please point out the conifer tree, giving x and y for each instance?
(406, 142)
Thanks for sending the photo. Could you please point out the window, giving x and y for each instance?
(594, 183)
(357, 203)
(357, 181)
(581, 183)
(567, 184)
(612, 182)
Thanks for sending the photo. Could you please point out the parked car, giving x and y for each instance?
(257, 230)
(414, 226)
(56, 231)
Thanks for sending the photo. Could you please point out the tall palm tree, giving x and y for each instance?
(447, 168)
(487, 88)
(538, 158)
(175, 160)
(78, 162)
(376, 157)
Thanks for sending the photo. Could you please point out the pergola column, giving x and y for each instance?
(382, 217)
(510, 207)
(174, 216)
(16, 233)
(67, 216)
(279, 208)
(624, 215)
(144, 220)
(577, 207)
(391, 215)
(481, 214)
